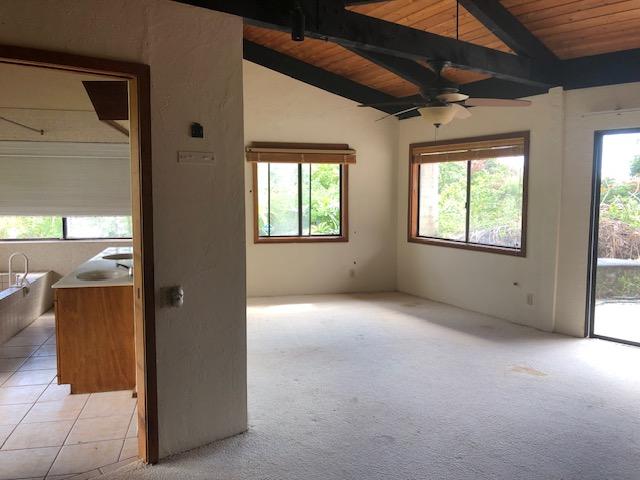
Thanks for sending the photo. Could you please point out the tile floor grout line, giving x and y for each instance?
(127, 431)
(25, 414)
(67, 436)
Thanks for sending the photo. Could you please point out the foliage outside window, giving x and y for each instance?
(300, 201)
(64, 228)
(471, 193)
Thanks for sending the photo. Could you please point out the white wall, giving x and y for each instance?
(576, 201)
(61, 257)
(484, 282)
(196, 75)
(280, 109)
(560, 175)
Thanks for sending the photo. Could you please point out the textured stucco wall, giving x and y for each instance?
(484, 282)
(581, 122)
(196, 75)
(281, 109)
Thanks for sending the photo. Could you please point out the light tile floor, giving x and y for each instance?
(45, 432)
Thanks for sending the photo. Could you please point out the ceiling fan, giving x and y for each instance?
(442, 103)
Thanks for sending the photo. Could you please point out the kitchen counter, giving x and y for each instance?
(99, 263)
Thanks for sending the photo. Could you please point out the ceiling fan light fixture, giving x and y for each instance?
(452, 97)
(439, 115)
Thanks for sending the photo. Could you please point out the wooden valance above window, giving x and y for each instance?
(300, 153)
(470, 150)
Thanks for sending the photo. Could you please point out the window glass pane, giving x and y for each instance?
(496, 201)
(443, 196)
(284, 199)
(325, 199)
(99, 227)
(306, 199)
(20, 228)
(263, 199)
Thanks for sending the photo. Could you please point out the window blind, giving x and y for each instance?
(64, 178)
(475, 150)
(300, 153)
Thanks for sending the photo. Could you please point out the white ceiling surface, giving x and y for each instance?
(44, 88)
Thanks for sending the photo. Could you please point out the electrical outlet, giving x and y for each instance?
(529, 298)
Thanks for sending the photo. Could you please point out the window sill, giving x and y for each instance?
(469, 246)
(69, 241)
(266, 240)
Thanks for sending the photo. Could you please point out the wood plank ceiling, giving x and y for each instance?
(570, 28)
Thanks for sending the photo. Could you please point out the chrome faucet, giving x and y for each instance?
(22, 282)
(129, 268)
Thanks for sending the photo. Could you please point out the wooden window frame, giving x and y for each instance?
(414, 200)
(344, 213)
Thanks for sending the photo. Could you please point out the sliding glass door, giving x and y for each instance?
(614, 303)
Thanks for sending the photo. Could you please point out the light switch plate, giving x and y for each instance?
(202, 158)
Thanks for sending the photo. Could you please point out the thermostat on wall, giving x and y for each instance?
(202, 158)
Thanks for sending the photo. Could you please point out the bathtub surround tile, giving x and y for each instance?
(33, 377)
(39, 363)
(13, 395)
(109, 404)
(11, 364)
(38, 435)
(13, 414)
(100, 428)
(87, 456)
(67, 409)
(31, 463)
(17, 352)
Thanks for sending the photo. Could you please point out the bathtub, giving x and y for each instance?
(19, 307)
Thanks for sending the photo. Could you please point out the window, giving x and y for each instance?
(303, 196)
(64, 228)
(471, 193)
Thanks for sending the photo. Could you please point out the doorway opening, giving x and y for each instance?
(133, 143)
(613, 310)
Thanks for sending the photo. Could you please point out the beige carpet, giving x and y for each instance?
(389, 386)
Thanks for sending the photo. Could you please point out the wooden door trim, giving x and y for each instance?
(138, 76)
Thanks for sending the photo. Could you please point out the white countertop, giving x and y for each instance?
(99, 263)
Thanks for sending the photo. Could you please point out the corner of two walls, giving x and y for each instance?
(490, 283)
(560, 176)
(280, 109)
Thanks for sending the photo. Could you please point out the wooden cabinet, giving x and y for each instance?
(94, 338)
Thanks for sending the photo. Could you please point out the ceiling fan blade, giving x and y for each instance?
(452, 97)
(495, 102)
(397, 113)
(393, 103)
(461, 112)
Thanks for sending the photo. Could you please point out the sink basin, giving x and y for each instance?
(119, 256)
(97, 275)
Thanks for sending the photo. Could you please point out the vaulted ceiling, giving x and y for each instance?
(380, 50)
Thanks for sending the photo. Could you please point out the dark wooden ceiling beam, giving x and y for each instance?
(315, 76)
(353, 3)
(600, 70)
(411, 71)
(508, 28)
(329, 20)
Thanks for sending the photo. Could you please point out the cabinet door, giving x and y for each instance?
(95, 340)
